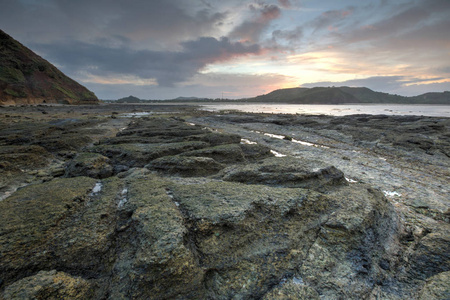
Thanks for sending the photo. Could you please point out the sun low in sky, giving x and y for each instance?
(162, 49)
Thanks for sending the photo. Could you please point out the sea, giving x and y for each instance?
(336, 110)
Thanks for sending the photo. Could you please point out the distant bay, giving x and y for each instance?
(337, 110)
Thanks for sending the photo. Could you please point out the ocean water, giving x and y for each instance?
(337, 110)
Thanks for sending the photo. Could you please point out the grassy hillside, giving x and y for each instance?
(318, 95)
(345, 94)
(26, 78)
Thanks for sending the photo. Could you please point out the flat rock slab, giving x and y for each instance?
(286, 172)
(138, 155)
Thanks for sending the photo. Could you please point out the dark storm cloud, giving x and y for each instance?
(167, 67)
(251, 30)
(386, 24)
(138, 20)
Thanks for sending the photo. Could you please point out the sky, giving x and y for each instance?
(163, 49)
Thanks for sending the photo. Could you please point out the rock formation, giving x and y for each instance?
(171, 210)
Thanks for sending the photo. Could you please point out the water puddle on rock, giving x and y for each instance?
(277, 154)
(248, 142)
(96, 189)
(124, 199)
(277, 136)
(143, 114)
(170, 194)
(392, 194)
(349, 180)
(283, 137)
(136, 114)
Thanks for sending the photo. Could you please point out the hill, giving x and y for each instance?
(345, 94)
(129, 99)
(316, 95)
(26, 78)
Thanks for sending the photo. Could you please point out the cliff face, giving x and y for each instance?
(26, 78)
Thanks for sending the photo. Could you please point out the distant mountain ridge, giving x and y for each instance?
(26, 78)
(345, 94)
(316, 95)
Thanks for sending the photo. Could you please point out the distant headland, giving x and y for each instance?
(317, 95)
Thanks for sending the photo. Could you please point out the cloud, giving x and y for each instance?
(292, 38)
(156, 23)
(210, 85)
(166, 67)
(330, 19)
(285, 3)
(251, 30)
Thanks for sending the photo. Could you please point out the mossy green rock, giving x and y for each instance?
(59, 224)
(25, 157)
(436, 287)
(50, 285)
(291, 290)
(255, 152)
(138, 155)
(287, 172)
(216, 138)
(186, 166)
(153, 257)
(223, 154)
(89, 164)
(250, 237)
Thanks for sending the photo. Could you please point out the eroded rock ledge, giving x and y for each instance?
(171, 210)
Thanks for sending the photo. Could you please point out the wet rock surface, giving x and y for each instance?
(185, 204)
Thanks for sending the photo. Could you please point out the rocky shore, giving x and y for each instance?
(171, 202)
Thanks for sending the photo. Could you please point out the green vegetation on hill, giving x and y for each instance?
(129, 99)
(345, 94)
(26, 78)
